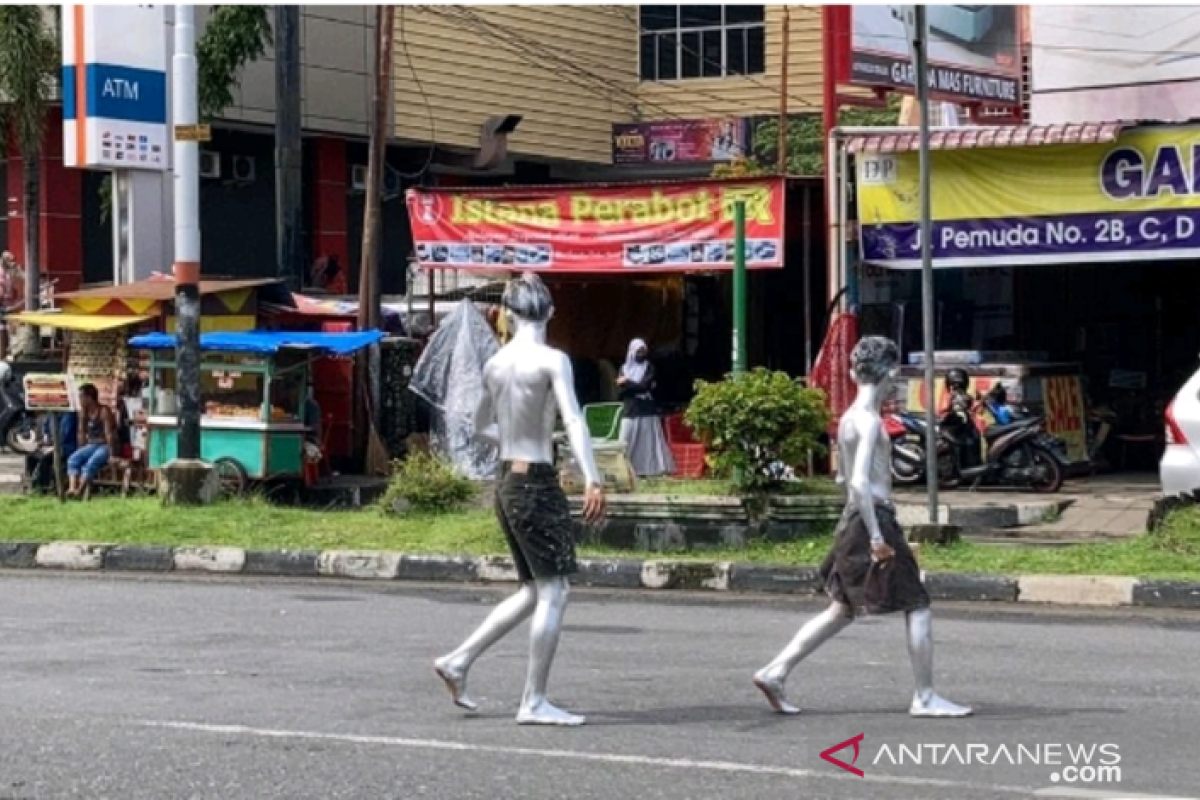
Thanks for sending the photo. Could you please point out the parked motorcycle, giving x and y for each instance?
(907, 433)
(18, 427)
(1019, 453)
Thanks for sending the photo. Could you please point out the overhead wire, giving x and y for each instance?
(568, 69)
(424, 99)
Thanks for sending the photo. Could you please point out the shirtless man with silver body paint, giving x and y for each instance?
(523, 384)
(870, 564)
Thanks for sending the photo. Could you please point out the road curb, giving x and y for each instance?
(655, 574)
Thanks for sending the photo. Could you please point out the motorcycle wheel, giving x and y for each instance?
(22, 437)
(1039, 457)
(904, 473)
(948, 477)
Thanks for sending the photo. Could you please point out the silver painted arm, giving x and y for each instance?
(486, 428)
(563, 379)
(868, 431)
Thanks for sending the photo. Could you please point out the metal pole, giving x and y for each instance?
(288, 266)
(369, 285)
(783, 94)
(807, 270)
(921, 59)
(739, 288)
(184, 111)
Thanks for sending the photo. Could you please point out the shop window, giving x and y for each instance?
(684, 42)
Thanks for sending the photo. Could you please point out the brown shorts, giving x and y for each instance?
(536, 519)
(852, 578)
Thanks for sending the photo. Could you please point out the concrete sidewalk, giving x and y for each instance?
(1101, 507)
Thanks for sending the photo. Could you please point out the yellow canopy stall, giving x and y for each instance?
(84, 323)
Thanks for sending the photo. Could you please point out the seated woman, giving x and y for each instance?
(97, 441)
(641, 426)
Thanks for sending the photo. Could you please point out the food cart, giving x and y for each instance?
(255, 400)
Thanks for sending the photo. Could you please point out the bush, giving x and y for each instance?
(756, 422)
(428, 484)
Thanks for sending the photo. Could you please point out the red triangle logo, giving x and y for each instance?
(827, 755)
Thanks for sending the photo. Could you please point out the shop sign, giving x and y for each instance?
(663, 227)
(114, 86)
(49, 392)
(1135, 199)
(974, 51)
(679, 141)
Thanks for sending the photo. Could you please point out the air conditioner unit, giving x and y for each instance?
(243, 169)
(358, 177)
(210, 164)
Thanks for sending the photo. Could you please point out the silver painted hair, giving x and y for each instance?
(528, 298)
(873, 359)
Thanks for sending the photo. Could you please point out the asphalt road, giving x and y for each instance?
(135, 688)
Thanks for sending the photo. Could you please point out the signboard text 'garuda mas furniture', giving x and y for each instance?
(1135, 199)
(662, 227)
(974, 51)
(114, 79)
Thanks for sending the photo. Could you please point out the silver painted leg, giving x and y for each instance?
(453, 668)
(771, 678)
(926, 703)
(547, 624)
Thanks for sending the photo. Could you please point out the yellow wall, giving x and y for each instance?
(468, 72)
(754, 94)
(472, 62)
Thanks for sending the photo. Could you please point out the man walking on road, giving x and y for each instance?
(522, 384)
(870, 564)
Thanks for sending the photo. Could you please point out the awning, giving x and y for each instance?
(90, 323)
(267, 342)
(980, 137)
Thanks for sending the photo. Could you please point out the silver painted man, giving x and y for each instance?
(870, 565)
(523, 384)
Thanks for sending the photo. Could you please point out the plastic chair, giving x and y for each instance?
(603, 421)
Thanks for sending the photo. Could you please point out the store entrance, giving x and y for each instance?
(1135, 329)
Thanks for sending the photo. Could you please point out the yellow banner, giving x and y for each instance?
(1136, 198)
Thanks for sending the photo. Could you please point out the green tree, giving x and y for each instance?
(805, 140)
(233, 37)
(29, 65)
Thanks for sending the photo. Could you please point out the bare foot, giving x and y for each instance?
(546, 714)
(456, 683)
(773, 691)
(936, 706)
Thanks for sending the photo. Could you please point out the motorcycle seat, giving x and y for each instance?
(996, 431)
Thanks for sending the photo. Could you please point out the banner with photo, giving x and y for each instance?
(1135, 199)
(659, 227)
(695, 141)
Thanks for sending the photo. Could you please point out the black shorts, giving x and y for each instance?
(852, 578)
(536, 519)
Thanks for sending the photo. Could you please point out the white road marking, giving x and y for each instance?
(578, 755)
(1099, 794)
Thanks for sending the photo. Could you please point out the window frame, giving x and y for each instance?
(680, 30)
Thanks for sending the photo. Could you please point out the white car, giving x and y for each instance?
(1180, 466)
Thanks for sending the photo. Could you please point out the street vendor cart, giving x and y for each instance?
(258, 415)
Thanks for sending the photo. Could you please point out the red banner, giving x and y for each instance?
(668, 227)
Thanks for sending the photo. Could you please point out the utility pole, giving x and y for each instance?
(919, 41)
(783, 92)
(368, 280)
(189, 472)
(288, 146)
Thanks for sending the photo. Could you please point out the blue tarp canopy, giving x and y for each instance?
(266, 342)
